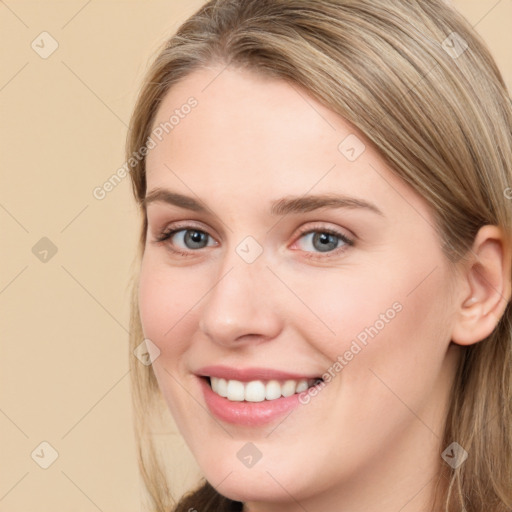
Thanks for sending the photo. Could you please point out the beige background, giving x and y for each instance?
(64, 360)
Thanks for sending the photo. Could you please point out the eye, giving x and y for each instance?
(323, 240)
(187, 239)
(184, 240)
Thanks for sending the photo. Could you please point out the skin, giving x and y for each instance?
(371, 439)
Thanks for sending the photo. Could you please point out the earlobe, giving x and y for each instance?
(488, 279)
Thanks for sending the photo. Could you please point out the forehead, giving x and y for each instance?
(245, 119)
(246, 132)
(248, 108)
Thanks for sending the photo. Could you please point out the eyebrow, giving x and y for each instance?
(284, 206)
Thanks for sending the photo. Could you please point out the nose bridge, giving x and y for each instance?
(239, 303)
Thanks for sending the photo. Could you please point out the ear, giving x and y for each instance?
(486, 287)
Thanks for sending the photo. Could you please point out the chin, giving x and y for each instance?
(251, 487)
(262, 482)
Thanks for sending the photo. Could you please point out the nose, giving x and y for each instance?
(242, 305)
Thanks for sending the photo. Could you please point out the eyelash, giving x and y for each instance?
(169, 232)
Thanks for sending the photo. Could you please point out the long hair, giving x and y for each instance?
(415, 78)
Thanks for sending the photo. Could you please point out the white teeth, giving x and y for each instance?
(236, 391)
(257, 390)
(302, 386)
(272, 390)
(289, 388)
(220, 386)
(254, 391)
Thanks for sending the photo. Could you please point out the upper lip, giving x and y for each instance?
(248, 374)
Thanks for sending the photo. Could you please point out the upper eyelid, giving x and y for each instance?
(186, 226)
(180, 225)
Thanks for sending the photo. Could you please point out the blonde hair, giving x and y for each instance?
(439, 114)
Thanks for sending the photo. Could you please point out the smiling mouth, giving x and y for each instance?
(259, 390)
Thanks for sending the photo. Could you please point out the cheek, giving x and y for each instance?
(402, 359)
(346, 305)
(166, 305)
(166, 313)
(393, 319)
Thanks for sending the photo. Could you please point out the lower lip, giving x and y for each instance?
(247, 413)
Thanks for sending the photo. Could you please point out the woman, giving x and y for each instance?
(325, 259)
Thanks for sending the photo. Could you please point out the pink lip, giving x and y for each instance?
(248, 374)
(247, 413)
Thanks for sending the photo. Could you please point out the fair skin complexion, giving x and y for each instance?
(371, 439)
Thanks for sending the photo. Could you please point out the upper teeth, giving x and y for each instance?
(257, 390)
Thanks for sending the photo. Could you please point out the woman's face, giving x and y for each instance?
(297, 254)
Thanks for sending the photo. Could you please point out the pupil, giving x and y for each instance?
(195, 236)
(328, 241)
